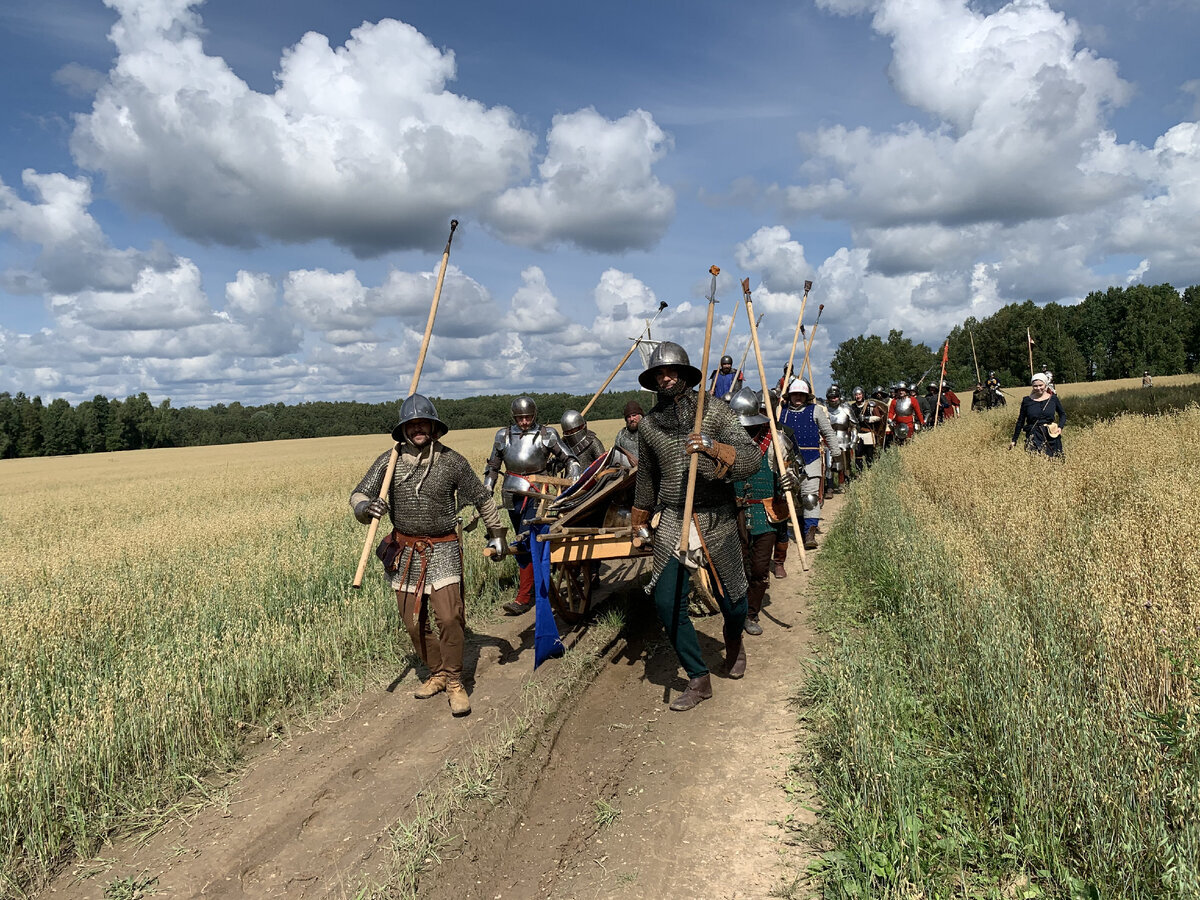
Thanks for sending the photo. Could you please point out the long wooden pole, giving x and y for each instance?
(729, 333)
(787, 373)
(712, 388)
(385, 488)
(938, 408)
(780, 457)
(636, 343)
(807, 364)
(693, 466)
(746, 352)
(978, 380)
(1029, 343)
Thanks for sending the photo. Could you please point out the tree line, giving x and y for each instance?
(1117, 333)
(29, 427)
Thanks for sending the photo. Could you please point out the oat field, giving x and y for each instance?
(159, 605)
(1011, 703)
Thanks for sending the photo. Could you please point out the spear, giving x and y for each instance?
(938, 407)
(693, 465)
(787, 373)
(807, 364)
(749, 341)
(662, 304)
(385, 487)
(780, 458)
(978, 380)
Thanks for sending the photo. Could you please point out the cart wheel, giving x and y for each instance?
(571, 590)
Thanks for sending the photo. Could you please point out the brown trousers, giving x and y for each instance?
(443, 652)
(756, 554)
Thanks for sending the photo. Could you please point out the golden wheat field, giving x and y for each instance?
(154, 603)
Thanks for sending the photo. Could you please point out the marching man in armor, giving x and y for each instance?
(627, 438)
(845, 424)
(725, 381)
(810, 424)
(580, 439)
(422, 555)
(903, 414)
(762, 502)
(868, 417)
(726, 454)
(525, 448)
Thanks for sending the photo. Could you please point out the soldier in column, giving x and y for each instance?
(726, 454)
(627, 438)
(763, 506)
(845, 425)
(522, 449)
(810, 425)
(725, 380)
(580, 439)
(422, 555)
(868, 418)
(904, 416)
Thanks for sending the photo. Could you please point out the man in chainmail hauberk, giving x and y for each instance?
(525, 448)
(809, 422)
(627, 438)
(422, 556)
(580, 439)
(726, 454)
(762, 502)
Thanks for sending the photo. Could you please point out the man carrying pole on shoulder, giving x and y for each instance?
(810, 424)
(422, 555)
(725, 453)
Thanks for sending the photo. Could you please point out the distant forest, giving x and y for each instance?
(30, 428)
(1118, 333)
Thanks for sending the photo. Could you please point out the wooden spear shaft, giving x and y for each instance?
(807, 364)
(636, 343)
(385, 488)
(746, 352)
(1029, 343)
(795, 340)
(693, 466)
(938, 408)
(978, 380)
(776, 442)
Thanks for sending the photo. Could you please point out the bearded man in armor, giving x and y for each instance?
(422, 555)
(762, 503)
(580, 439)
(724, 380)
(726, 454)
(809, 422)
(525, 448)
(903, 414)
(845, 424)
(627, 438)
(869, 417)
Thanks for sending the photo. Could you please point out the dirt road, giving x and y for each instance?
(619, 798)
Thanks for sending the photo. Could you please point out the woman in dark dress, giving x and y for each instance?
(1037, 419)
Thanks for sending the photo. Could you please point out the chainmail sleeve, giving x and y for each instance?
(722, 425)
(371, 485)
(821, 417)
(644, 489)
(471, 491)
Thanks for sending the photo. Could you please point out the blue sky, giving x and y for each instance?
(247, 201)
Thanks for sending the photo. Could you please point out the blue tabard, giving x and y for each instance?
(724, 383)
(803, 423)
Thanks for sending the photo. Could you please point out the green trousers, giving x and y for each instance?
(671, 601)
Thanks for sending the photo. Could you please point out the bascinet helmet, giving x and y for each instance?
(747, 406)
(524, 406)
(418, 406)
(572, 421)
(668, 353)
(726, 359)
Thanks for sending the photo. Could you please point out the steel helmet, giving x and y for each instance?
(726, 359)
(669, 354)
(572, 421)
(524, 406)
(418, 406)
(799, 386)
(834, 391)
(747, 406)
(858, 392)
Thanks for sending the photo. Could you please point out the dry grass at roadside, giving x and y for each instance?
(1011, 705)
(157, 605)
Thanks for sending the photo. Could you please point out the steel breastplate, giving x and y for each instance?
(839, 418)
(525, 453)
(904, 407)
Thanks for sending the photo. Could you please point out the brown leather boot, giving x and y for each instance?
(524, 600)
(810, 538)
(434, 684)
(460, 703)
(698, 689)
(735, 658)
(780, 558)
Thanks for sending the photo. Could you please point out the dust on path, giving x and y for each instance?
(626, 799)
(633, 800)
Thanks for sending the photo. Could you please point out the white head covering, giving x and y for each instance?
(1040, 376)
(799, 386)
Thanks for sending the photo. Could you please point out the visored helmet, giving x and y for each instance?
(834, 392)
(747, 406)
(418, 406)
(524, 406)
(669, 354)
(574, 427)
